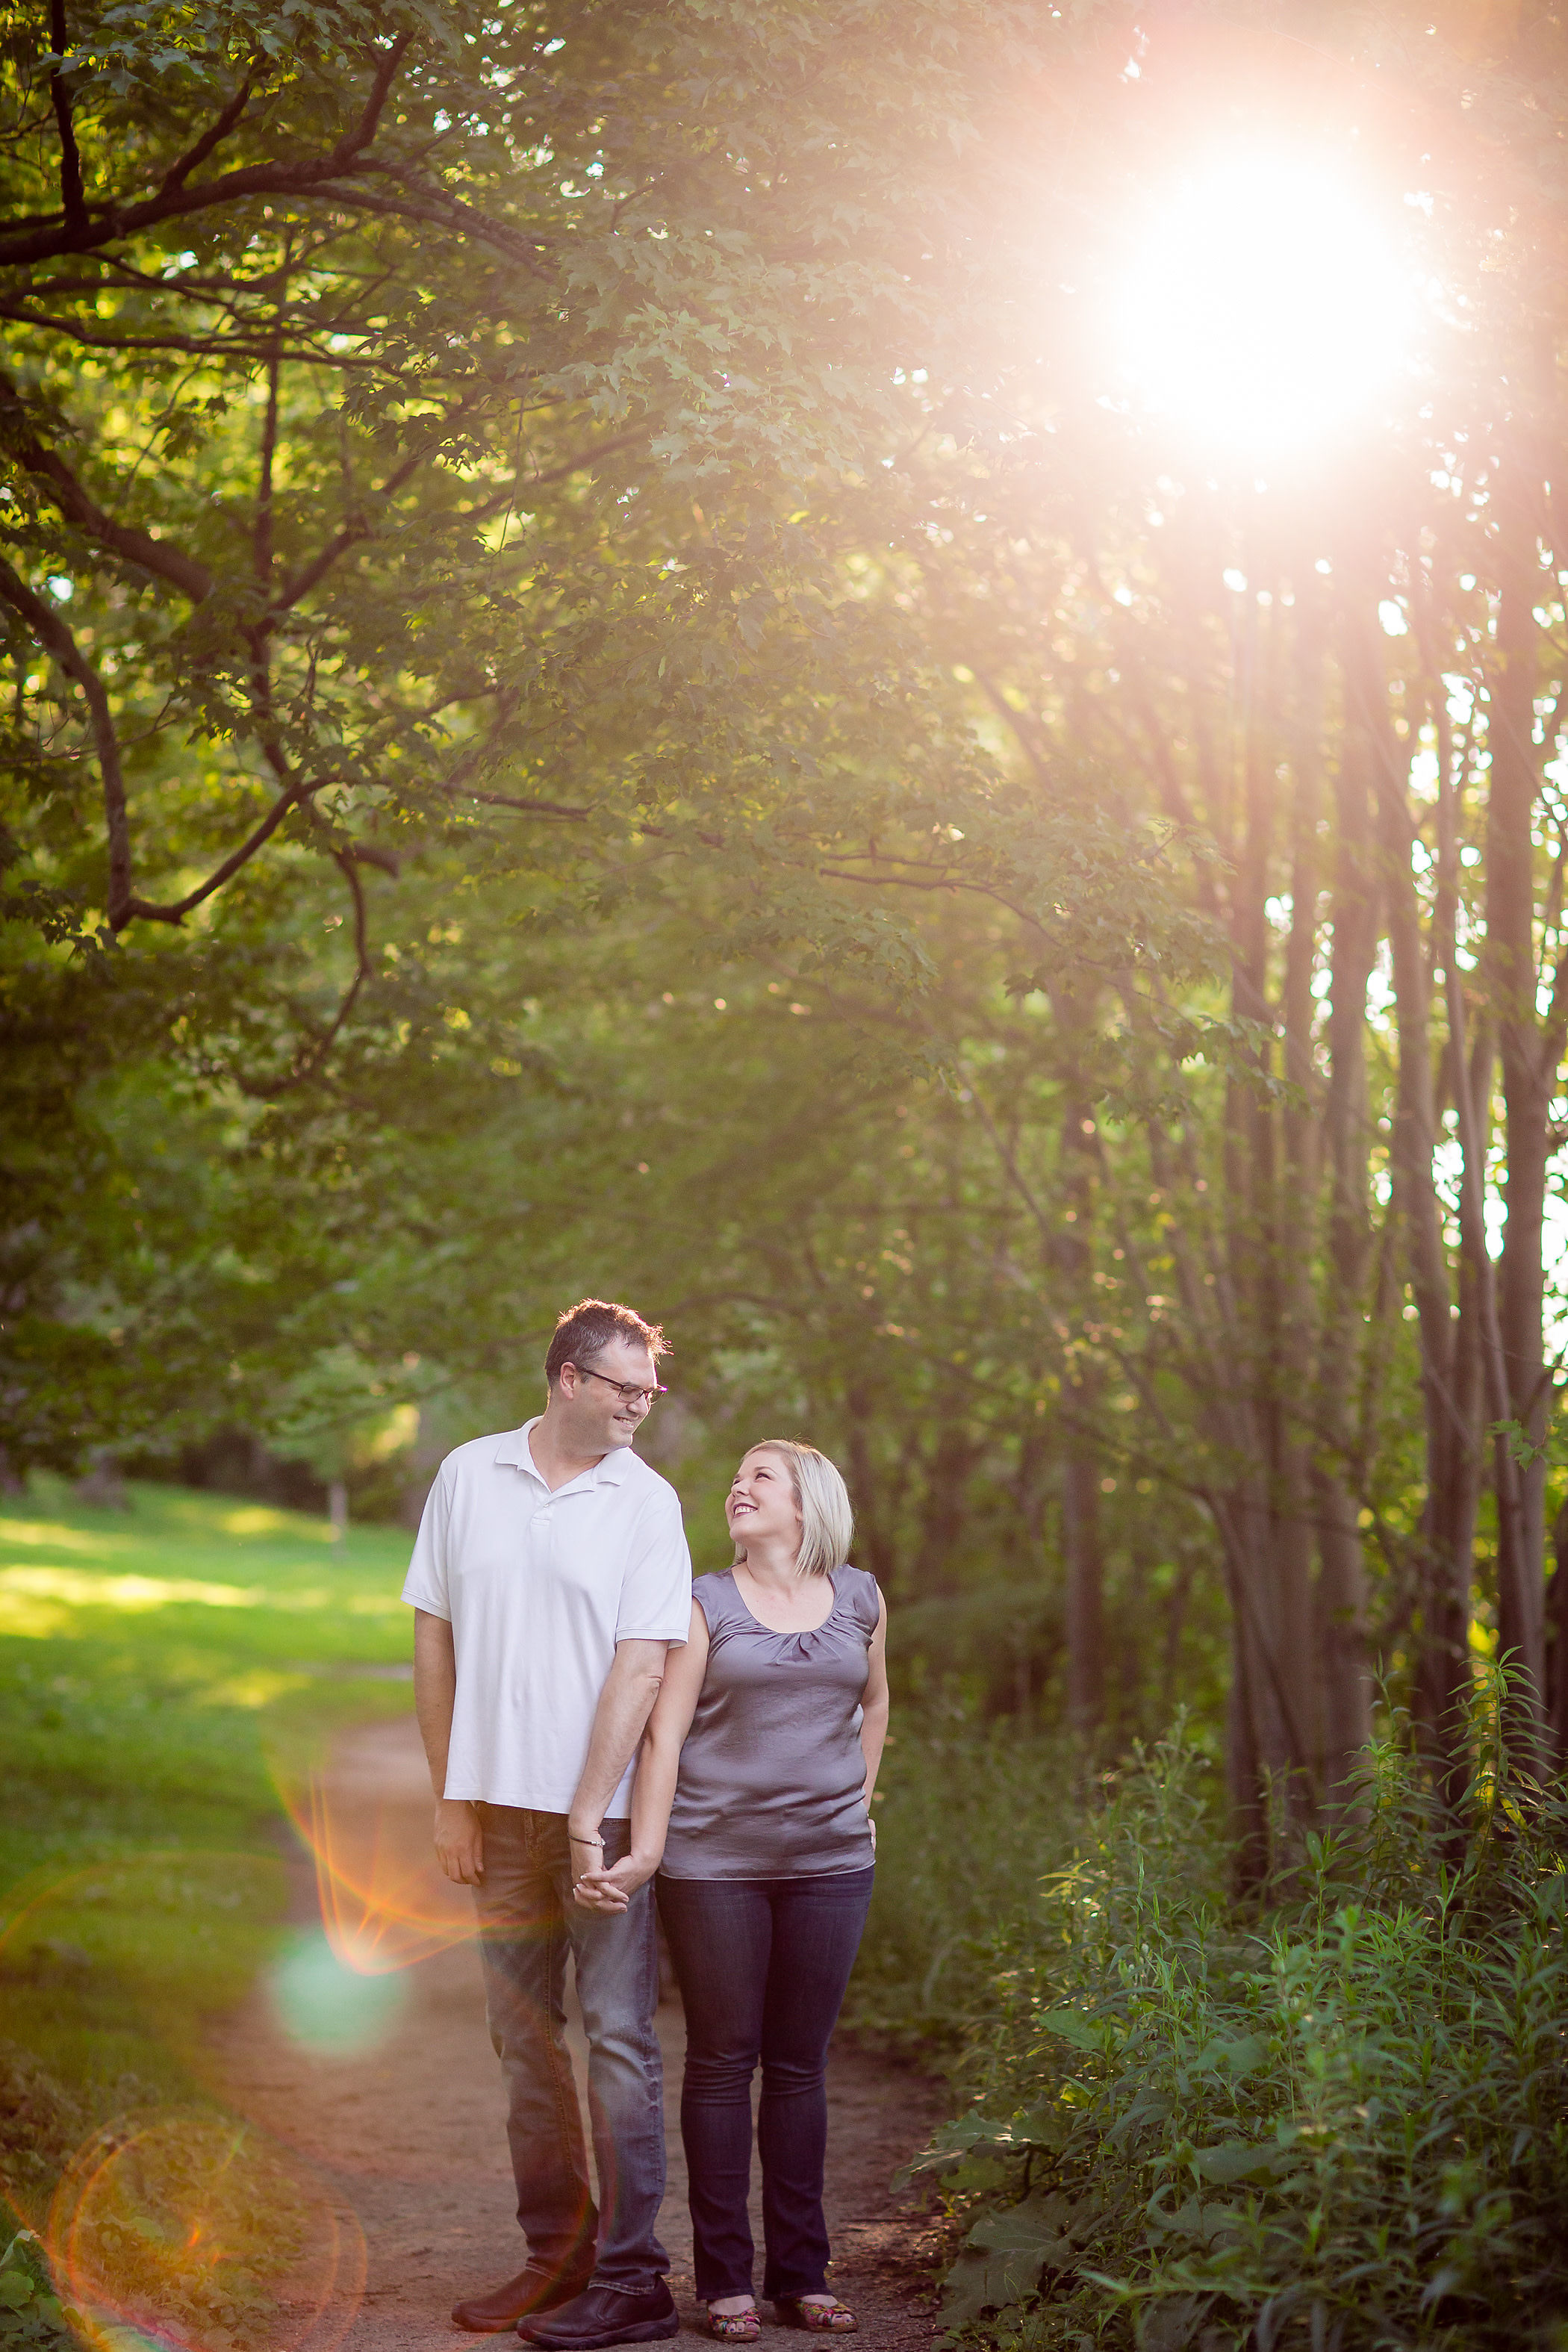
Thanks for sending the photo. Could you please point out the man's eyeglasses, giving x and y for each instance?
(627, 1390)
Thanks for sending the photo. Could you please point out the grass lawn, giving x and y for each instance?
(159, 1666)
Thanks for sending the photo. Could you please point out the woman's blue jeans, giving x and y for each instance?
(763, 1964)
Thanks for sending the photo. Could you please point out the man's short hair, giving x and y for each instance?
(587, 1329)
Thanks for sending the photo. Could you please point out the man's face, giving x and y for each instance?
(596, 1414)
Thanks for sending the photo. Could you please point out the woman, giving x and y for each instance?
(753, 1791)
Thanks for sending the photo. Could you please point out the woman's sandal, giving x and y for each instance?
(734, 2326)
(833, 2318)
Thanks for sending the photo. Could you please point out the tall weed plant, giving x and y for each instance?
(1337, 2121)
(967, 1817)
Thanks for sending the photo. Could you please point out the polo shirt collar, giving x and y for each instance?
(611, 1470)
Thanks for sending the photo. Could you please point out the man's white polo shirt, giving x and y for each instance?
(538, 1588)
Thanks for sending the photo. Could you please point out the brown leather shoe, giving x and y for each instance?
(532, 2290)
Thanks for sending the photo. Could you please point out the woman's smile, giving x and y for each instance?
(761, 1499)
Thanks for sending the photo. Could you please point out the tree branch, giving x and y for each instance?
(346, 865)
(528, 808)
(261, 533)
(294, 796)
(1555, 1035)
(439, 210)
(367, 853)
(909, 882)
(214, 136)
(164, 561)
(355, 142)
(1024, 731)
(217, 344)
(584, 458)
(72, 197)
(56, 639)
(311, 574)
(85, 227)
(316, 571)
(269, 1089)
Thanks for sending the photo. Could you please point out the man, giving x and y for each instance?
(550, 1576)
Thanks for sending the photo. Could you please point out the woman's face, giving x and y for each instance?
(760, 1501)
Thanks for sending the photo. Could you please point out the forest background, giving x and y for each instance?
(612, 688)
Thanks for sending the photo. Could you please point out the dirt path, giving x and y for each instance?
(388, 2088)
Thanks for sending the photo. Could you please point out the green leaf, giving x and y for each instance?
(1149, 2109)
(1242, 2056)
(1071, 2025)
(1170, 2322)
(976, 2176)
(1006, 2252)
(1235, 2159)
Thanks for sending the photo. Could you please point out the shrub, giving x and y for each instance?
(1340, 2122)
(967, 1817)
(31, 2313)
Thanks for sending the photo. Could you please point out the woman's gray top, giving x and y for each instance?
(772, 1771)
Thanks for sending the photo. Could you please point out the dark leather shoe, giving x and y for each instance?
(533, 2289)
(606, 2314)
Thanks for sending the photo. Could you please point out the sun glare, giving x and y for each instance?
(1266, 304)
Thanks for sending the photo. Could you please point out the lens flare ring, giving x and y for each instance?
(175, 2232)
(384, 1905)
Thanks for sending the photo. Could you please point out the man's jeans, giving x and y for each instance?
(527, 1919)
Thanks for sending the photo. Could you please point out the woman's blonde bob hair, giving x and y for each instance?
(826, 1520)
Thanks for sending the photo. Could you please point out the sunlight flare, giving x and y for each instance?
(1267, 303)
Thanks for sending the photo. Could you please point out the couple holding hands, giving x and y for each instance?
(592, 1718)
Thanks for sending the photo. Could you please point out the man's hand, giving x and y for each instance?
(459, 1841)
(609, 1891)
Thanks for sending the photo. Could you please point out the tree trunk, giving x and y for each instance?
(873, 1541)
(948, 1471)
(1083, 1559)
(1302, 1177)
(1085, 1564)
(1527, 1088)
(1344, 1680)
(1269, 1507)
(1557, 1635)
(1453, 1399)
(1441, 1662)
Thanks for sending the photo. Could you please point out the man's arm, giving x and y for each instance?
(459, 1841)
(619, 1719)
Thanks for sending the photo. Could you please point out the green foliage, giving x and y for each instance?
(773, 1161)
(966, 1814)
(30, 2310)
(190, 2219)
(1336, 2123)
(166, 1669)
(160, 1668)
(461, 498)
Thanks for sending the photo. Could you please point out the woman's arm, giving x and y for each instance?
(874, 1706)
(658, 1763)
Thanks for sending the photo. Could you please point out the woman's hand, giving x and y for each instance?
(609, 1891)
